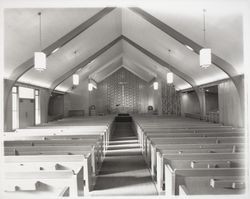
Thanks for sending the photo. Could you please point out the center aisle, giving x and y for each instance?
(124, 171)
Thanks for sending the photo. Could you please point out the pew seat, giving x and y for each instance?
(42, 183)
(54, 162)
(197, 181)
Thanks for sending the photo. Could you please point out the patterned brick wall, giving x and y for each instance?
(125, 92)
(122, 92)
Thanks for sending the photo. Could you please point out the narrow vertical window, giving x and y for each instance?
(37, 108)
(15, 117)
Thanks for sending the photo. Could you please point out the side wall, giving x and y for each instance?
(78, 98)
(189, 103)
(44, 98)
(229, 105)
(211, 102)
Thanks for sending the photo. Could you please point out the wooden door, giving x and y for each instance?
(26, 112)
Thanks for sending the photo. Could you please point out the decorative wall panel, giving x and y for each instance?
(123, 92)
(229, 105)
(171, 104)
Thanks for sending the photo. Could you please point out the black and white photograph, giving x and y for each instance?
(124, 99)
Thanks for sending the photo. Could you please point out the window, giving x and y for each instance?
(37, 108)
(26, 93)
(15, 113)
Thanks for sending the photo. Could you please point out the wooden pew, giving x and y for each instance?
(161, 147)
(53, 137)
(196, 181)
(141, 129)
(50, 133)
(97, 152)
(69, 126)
(62, 140)
(190, 140)
(227, 163)
(53, 150)
(86, 151)
(58, 161)
(149, 136)
(41, 183)
(67, 139)
(163, 159)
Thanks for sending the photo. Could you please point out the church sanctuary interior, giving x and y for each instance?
(114, 101)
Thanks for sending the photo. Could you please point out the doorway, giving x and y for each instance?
(26, 112)
(212, 103)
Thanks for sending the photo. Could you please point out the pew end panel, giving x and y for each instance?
(42, 183)
(198, 181)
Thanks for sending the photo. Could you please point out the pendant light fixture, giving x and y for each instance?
(75, 79)
(155, 85)
(40, 57)
(90, 87)
(170, 78)
(170, 75)
(205, 53)
(75, 76)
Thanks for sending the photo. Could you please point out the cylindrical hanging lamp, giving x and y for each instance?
(170, 78)
(75, 79)
(40, 57)
(205, 53)
(155, 85)
(170, 75)
(90, 87)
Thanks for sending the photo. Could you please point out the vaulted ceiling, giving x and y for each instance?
(224, 36)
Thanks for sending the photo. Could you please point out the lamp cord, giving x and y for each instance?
(40, 30)
(204, 26)
(169, 51)
(75, 56)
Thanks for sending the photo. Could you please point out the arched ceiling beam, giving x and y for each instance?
(130, 69)
(216, 60)
(118, 66)
(160, 61)
(133, 62)
(106, 65)
(122, 58)
(83, 64)
(27, 65)
(138, 47)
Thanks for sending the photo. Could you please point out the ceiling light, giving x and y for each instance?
(205, 53)
(75, 79)
(75, 76)
(170, 75)
(40, 61)
(90, 87)
(205, 57)
(155, 85)
(40, 57)
(188, 47)
(55, 50)
(170, 78)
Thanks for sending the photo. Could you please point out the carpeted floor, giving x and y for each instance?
(124, 171)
